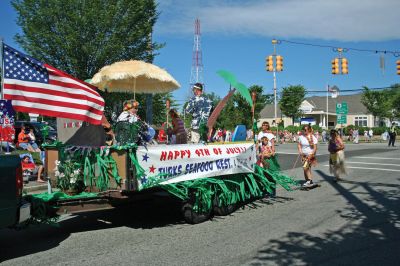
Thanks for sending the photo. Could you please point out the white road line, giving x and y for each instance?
(367, 168)
(376, 163)
(380, 158)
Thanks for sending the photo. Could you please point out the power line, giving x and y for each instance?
(345, 49)
(348, 90)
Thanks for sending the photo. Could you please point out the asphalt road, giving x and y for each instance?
(352, 222)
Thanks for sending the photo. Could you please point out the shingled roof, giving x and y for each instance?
(319, 102)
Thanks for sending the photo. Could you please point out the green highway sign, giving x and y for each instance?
(341, 119)
(341, 108)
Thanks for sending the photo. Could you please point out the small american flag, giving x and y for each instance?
(36, 87)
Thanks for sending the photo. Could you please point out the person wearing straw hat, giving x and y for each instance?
(199, 106)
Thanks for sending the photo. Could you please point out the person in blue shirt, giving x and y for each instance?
(199, 106)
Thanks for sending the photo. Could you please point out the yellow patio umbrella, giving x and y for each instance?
(134, 76)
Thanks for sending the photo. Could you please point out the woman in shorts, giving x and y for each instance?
(307, 147)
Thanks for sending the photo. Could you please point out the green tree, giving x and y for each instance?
(378, 103)
(394, 94)
(79, 37)
(291, 99)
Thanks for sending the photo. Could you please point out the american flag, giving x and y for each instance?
(36, 87)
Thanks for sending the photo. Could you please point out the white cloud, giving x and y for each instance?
(342, 20)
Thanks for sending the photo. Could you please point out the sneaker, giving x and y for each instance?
(307, 183)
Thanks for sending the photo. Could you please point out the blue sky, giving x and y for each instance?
(236, 36)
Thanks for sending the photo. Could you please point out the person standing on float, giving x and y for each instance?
(199, 106)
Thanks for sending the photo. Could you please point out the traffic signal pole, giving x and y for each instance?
(275, 67)
(274, 42)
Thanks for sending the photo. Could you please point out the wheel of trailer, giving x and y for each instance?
(222, 210)
(193, 217)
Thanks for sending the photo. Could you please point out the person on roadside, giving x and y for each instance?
(355, 136)
(336, 158)
(307, 147)
(178, 127)
(323, 135)
(392, 134)
(370, 134)
(366, 138)
(31, 168)
(199, 106)
(24, 140)
(32, 140)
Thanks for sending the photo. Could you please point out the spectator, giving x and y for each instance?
(366, 137)
(249, 134)
(24, 140)
(370, 134)
(30, 168)
(392, 134)
(355, 136)
(324, 135)
(228, 136)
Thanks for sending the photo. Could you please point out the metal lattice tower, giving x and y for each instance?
(197, 58)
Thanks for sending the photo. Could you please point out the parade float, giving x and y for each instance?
(208, 179)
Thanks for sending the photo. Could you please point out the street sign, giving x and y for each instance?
(341, 119)
(341, 108)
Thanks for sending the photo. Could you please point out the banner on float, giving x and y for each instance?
(177, 163)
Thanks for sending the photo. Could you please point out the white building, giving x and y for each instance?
(315, 111)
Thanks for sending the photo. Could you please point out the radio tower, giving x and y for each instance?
(197, 62)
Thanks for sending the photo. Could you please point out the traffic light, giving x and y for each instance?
(335, 66)
(398, 67)
(345, 66)
(270, 63)
(279, 63)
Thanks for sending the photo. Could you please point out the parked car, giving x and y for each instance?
(13, 208)
(37, 130)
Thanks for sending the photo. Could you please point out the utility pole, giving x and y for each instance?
(277, 67)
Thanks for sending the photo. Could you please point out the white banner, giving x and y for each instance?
(192, 161)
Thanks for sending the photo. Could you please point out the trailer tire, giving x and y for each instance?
(193, 217)
(223, 210)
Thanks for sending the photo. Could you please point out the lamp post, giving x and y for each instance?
(253, 109)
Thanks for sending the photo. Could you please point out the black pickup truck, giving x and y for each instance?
(13, 209)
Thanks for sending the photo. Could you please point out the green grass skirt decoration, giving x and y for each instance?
(231, 189)
(42, 209)
(204, 193)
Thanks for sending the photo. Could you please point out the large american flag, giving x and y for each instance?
(36, 87)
